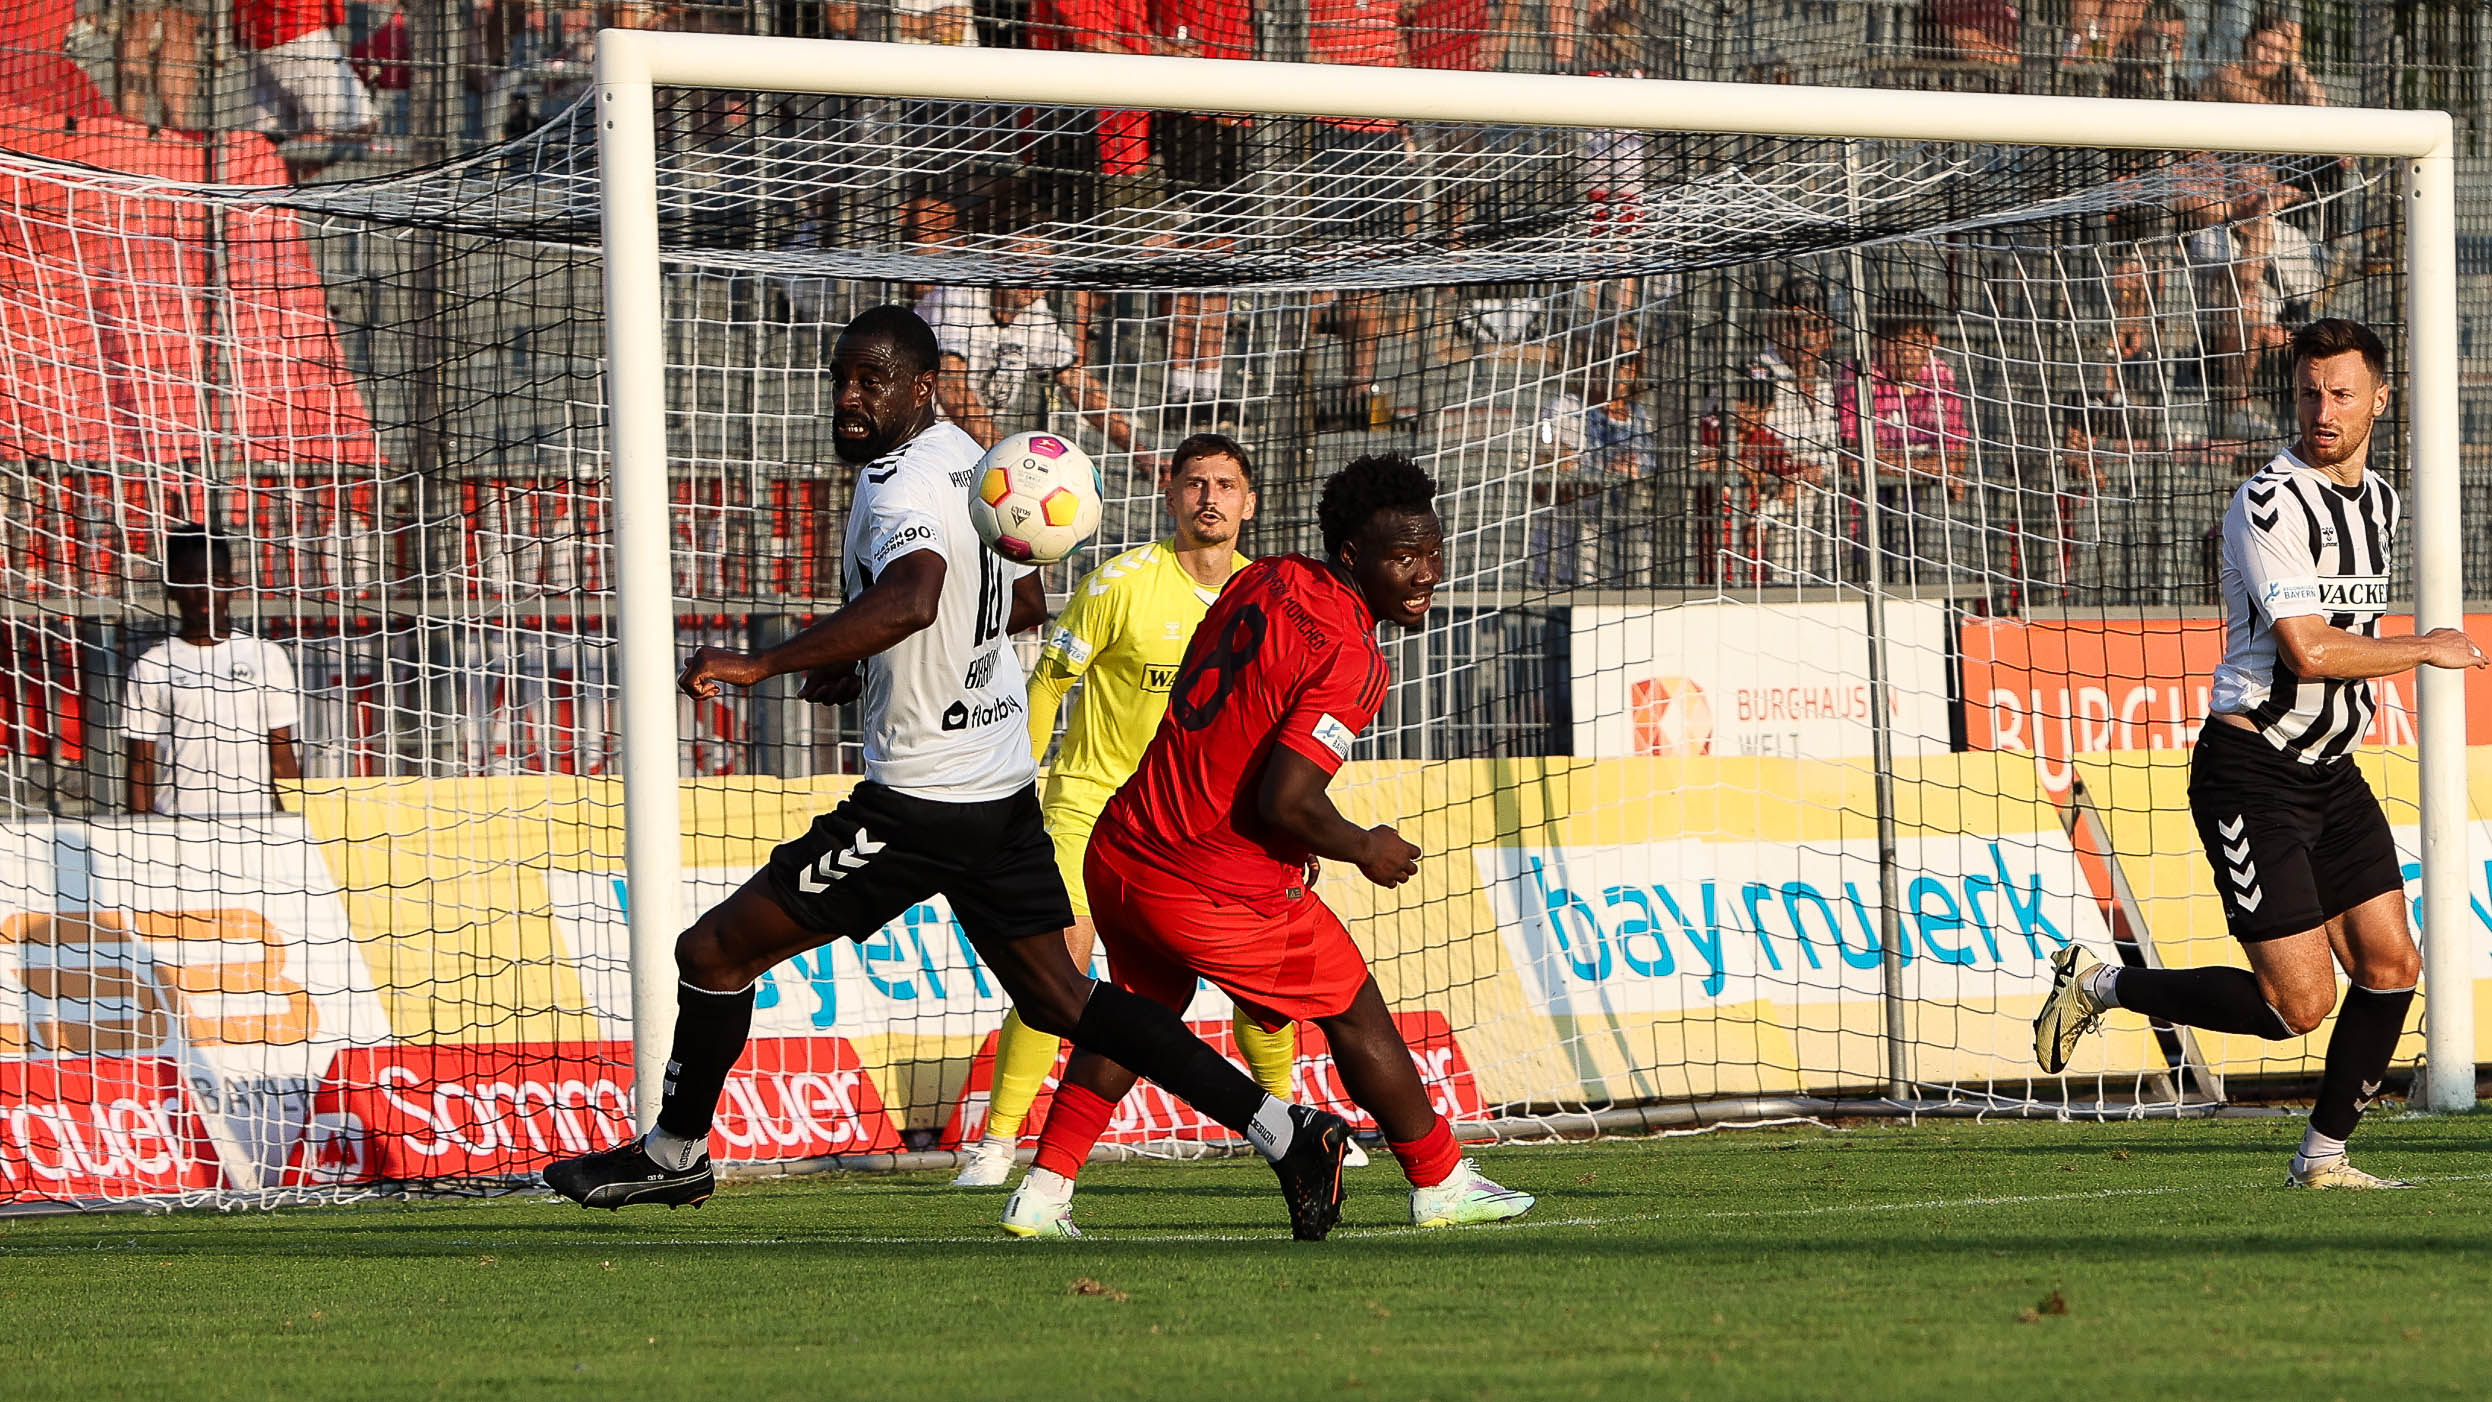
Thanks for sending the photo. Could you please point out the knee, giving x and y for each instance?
(2302, 1012)
(1052, 1010)
(701, 959)
(2390, 972)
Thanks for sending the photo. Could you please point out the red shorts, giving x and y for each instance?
(1160, 934)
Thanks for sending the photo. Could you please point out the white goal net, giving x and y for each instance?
(1736, 437)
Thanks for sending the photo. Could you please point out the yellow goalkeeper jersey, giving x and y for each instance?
(1123, 634)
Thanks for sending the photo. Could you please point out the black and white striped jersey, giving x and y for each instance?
(2295, 544)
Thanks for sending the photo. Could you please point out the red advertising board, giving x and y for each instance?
(2083, 686)
(1150, 1113)
(401, 1112)
(86, 1127)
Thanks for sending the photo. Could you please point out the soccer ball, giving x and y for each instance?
(1034, 498)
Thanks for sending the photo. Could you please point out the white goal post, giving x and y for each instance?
(631, 64)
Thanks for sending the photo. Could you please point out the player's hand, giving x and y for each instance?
(2450, 647)
(834, 685)
(1388, 861)
(708, 666)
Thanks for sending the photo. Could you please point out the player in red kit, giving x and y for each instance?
(1199, 866)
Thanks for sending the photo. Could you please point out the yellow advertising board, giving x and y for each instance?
(1596, 931)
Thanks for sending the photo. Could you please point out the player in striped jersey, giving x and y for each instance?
(1122, 637)
(2301, 851)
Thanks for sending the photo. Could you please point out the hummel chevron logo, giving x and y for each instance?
(2369, 1097)
(831, 866)
(2246, 895)
(2266, 522)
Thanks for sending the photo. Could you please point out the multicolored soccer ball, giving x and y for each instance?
(1035, 498)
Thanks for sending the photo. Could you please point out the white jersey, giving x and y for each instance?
(208, 711)
(2296, 544)
(945, 716)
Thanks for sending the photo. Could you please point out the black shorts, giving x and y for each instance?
(1198, 153)
(880, 852)
(2293, 845)
(1364, 184)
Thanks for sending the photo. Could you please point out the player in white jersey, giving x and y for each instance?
(948, 805)
(2303, 859)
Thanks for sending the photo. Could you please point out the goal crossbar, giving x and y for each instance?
(631, 64)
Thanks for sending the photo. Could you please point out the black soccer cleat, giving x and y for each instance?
(625, 1176)
(1310, 1172)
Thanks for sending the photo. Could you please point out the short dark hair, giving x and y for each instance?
(1910, 309)
(1377, 482)
(907, 331)
(1757, 391)
(2269, 22)
(194, 551)
(2334, 335)
(1213, 445)
(2164, 12)
(1802, 292)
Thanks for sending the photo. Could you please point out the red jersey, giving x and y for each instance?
(1108, 27)
(1447, 34)
(1223, 28)
(1287, 656)
(267, 23)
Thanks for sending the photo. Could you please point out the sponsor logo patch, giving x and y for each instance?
(1072, 649)
(1334, 735)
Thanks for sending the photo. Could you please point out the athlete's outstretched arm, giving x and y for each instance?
(2315, 650)
(898, 604)
(1292, 799)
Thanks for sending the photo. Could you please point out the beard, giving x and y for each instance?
(2344, 449)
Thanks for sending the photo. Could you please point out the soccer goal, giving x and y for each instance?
(1827, 477)
(1774, 780)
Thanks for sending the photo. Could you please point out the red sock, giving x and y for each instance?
(1074, 1123)
(1426, 1161)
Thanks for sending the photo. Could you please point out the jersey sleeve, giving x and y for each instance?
(1336, 706)
(901, 520)
(2269, 536)
(284, 706)
(1088, 623)
(147, 703)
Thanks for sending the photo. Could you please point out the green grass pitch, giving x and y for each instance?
(1951, 1260)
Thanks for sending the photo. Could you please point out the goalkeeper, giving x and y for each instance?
(1123, 636)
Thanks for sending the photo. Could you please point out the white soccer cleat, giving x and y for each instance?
(1041, 1209)
(2337, 1172)
(1465, 1198)
(1352, 1156)
(2069, 1012)
(989, 1166)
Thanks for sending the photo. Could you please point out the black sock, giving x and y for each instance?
(2359, 1051)
(710, 1031)
(2217, 999)
(1149, 1040)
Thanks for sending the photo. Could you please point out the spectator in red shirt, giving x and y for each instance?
(1365, 186)
(1120, 146)
(1460, 34)
(1199, 866)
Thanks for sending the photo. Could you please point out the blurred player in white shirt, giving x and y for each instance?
(209, 713)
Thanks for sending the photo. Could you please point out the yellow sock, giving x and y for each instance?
(1022, 1060)
(1270, 1055)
